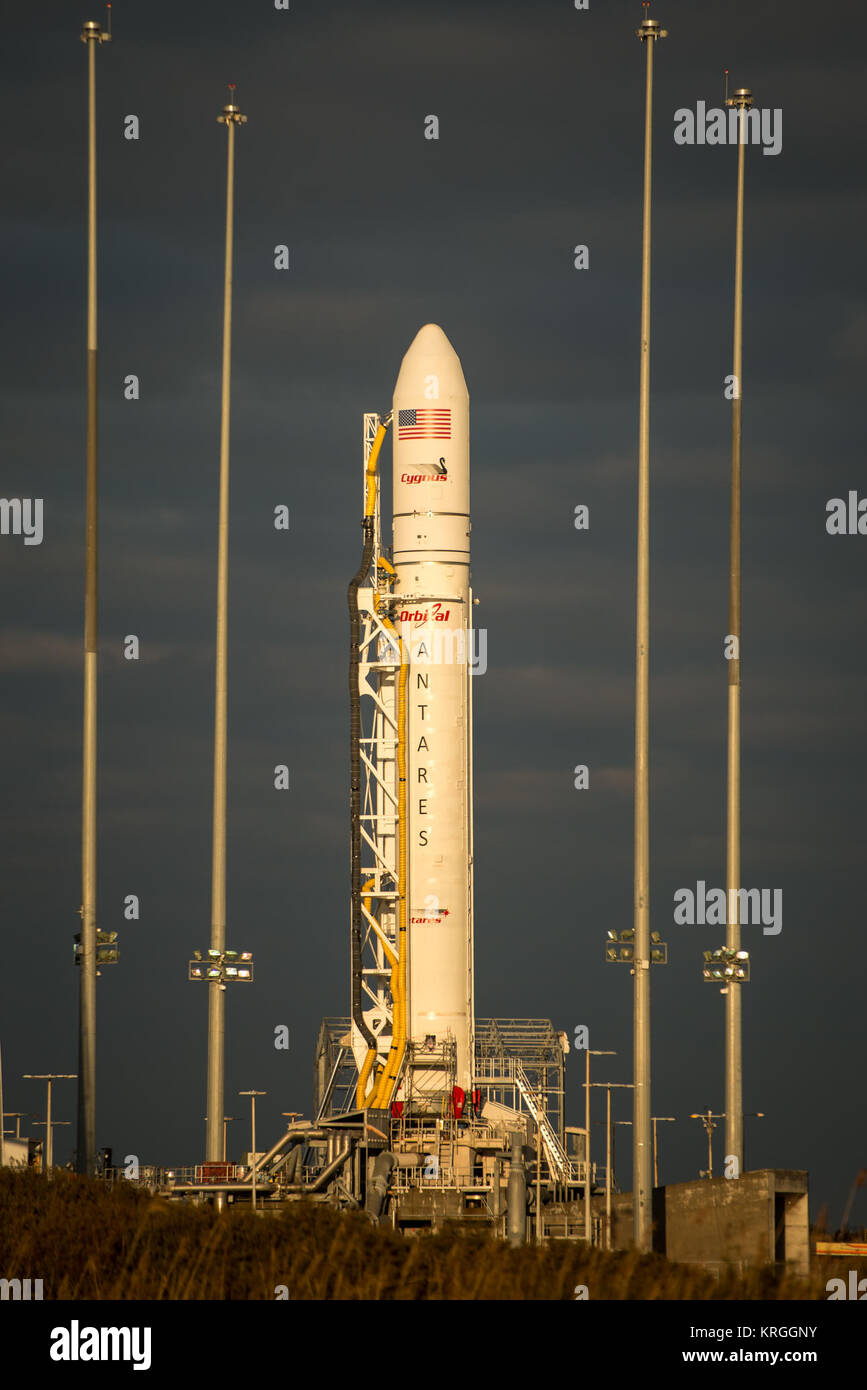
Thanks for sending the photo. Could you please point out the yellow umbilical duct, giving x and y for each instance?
(383, 1084)
(372, 460)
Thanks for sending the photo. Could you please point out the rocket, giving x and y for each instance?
(431, 556)
(411, 749)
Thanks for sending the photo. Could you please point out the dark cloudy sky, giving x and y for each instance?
(541, 129)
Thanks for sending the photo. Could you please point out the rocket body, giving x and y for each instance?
(431, 555)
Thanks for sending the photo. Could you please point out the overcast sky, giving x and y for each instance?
(541, 129)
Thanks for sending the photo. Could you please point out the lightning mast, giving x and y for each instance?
(92, 36)
(642, 1167)
(230, 117)
(742, 100)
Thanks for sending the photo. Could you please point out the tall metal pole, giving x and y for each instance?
(231, 118)
(539, 1226)
(608, 1168)
(2, 1118)
(253, 1095)
(588, 1228)
(658, 1119)
(588, 1233)
(226, 1120)
(91, 36)
(49, 1134)
(734, 1093)
(648, 33)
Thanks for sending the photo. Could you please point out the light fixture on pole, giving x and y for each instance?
(726, 966)
(620, 948)
(222, 967)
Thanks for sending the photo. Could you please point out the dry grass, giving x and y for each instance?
(88, 1243)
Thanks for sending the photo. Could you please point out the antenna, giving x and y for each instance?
(649, 28)
(726, 99)
(106, 38)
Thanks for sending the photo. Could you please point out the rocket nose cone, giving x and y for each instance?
(430, 352)
(431, 338)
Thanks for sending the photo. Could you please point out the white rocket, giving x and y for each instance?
(431, 520)
(411, 749)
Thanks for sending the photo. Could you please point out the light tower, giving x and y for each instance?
(92, 36)
(642, 1171)
(742, 100)
(230, 117)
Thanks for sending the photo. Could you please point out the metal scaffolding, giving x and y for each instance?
(538, 1047)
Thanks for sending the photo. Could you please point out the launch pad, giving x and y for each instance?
(449, 1160)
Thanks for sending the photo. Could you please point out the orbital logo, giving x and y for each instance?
(435, 919)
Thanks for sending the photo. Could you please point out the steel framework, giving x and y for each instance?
(379, 663)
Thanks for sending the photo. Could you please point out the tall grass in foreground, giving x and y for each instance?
(85, 1242)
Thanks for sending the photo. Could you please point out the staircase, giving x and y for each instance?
(559, 1164)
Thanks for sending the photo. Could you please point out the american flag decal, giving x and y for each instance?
(427, 423)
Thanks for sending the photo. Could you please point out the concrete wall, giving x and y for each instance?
(758, 1219)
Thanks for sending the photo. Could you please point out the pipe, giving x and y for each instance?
(516, 1195)
(222, 1187)
(377, 1188)
(287, 1163)
(275, 1148)
(328, 1173)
